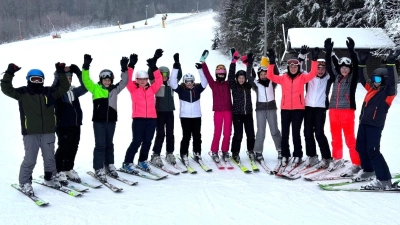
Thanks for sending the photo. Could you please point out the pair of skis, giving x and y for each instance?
(191, 169)
(227, 164)
(346, 186)
(149, 174)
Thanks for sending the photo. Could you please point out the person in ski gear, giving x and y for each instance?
(165, 114)
(144, 116)
(342, 105)
(317, 103)
(380, 95)
(36, 108)
(222, 107)
(292, 103)
(105, 96)
(242, 109)
(68, 126)
(189, 94)
(266, 110)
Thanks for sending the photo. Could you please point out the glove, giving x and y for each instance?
(176, 65)
(244, 60)
(176, 57)
(198, 66)
(60, 67)
(328, 45)
(362, 57)
(133, 58)
(391, 59)
(158, 54)
(87, 59)
(350, 44)
(250, 58)
(271, 56)
(74, 69)
(204, 56)
(12, 68)
(303, 52)
(314, 54)
(124, 64)
(152, 64)
(234, 55)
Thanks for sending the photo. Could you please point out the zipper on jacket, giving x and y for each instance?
(337, 94)
(76, 114)
(245, 102)
(266, 97)
(376, 108)
(291, 87)
(108, 104)
(26, 123)
(347, 97)
(145, 97)
(41, 113)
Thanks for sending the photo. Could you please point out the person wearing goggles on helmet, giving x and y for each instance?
(381, 91)
(68, 127)
(222, 107)
(105, 96)
(242, 109)
(36, 106)
(144, 116)
(292, 104)
(165, 108)
(190, 111)
(317, 102)
(342, 105)
(266, 109)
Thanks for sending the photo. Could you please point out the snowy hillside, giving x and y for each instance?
(220, 197)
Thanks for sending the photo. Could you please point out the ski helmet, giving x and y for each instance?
(34, 73)
(142, 74)
(188, 77)
(164, 71)
(106, 74)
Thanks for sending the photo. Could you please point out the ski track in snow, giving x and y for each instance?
(220, 197)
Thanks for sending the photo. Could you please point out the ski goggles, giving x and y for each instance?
(36, 80)
(106, 74)
(293, 62)
(262, 68)
(321, 64)
(376, 79)
(164, 74)
(189, 81)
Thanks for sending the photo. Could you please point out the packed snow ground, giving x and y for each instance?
(220, 197)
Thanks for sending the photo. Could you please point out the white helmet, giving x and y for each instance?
(344, 61)
(142, 74)
(188, 76)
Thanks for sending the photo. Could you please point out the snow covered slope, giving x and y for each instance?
(220, 197)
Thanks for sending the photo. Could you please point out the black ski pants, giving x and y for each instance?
(240, 121)
(314, 123)
(165, 129)
(294, 118)
(68, 141)
(191, 127)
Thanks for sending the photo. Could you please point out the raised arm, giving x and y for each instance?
(362, 69)
(328, 44)
(124, 75)
(89, 84)
(207, 75)
(314, 66)
(203, 79)
(6, 83)
(64, 83)
(81, 90)
(157, 75)
(354, 59)
(270, 71)
(231, 75)
(249, 70)
(133, 58)
(391, 83)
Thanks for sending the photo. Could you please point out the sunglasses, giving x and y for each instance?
(321, 63)
(37, 80)
(262, 68)
(377, 79)
(144, 79)
(293, 62)
(164, 74)
(106, 74)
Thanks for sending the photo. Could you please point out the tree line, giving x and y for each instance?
(42, 17)
(241, 23)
